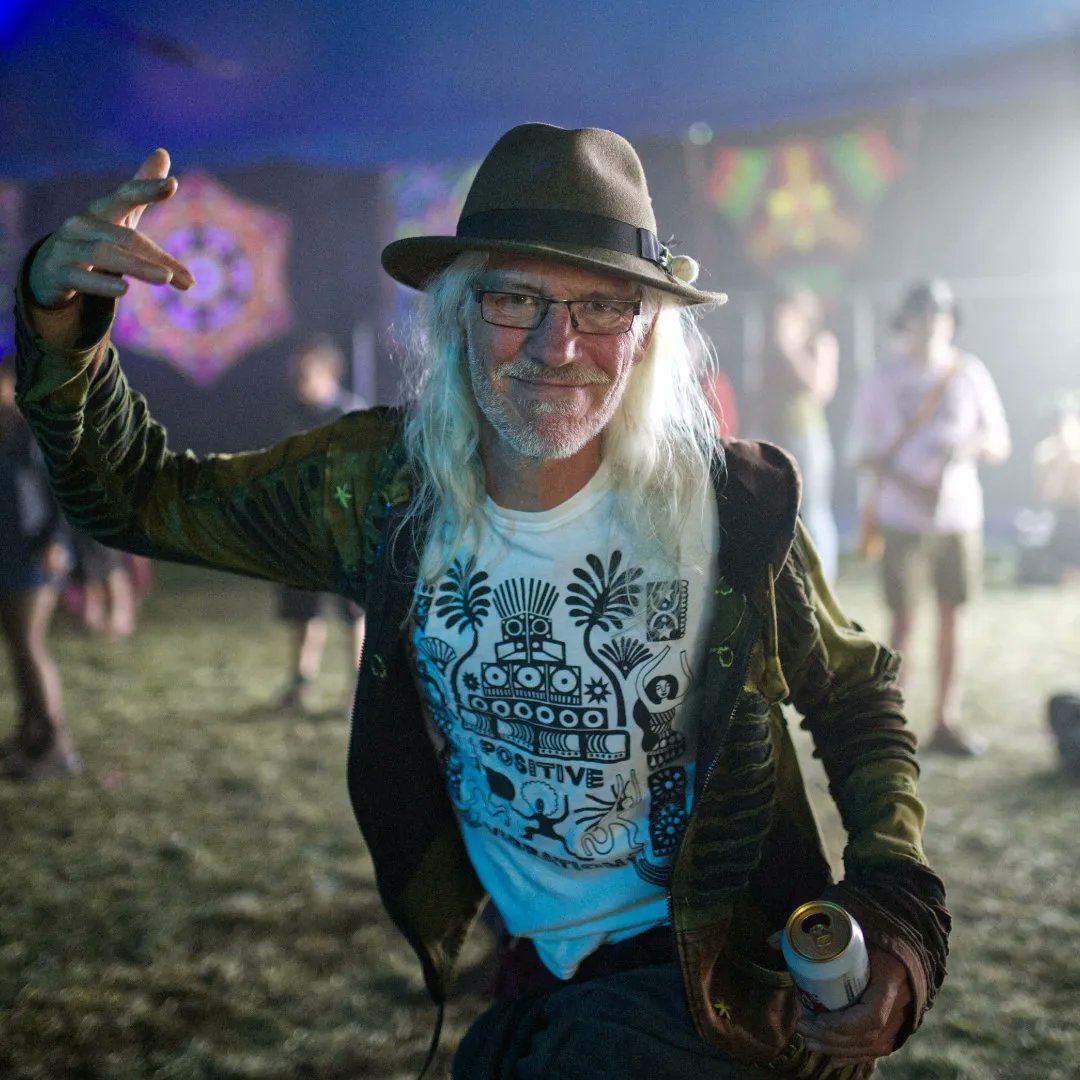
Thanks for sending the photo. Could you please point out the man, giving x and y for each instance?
(315, 369)
(552, 513)
(922, 424)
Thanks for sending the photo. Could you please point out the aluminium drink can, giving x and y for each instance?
(826, 955)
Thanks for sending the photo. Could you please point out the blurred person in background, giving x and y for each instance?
(107, 603)
(721, 397)
(923, 422)
(551, 512)
(316, 367)
(34, 556)
(798, 372)
(1057, 484)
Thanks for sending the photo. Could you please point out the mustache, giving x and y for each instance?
(568, 375)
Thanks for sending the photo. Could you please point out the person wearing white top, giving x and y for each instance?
(923, 422)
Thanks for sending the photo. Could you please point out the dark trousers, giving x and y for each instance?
(630, 1025)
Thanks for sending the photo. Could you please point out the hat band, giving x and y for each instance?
(564, 227)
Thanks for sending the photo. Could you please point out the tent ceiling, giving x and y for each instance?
(87, 85)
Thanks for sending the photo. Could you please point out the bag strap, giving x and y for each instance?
(927, 408)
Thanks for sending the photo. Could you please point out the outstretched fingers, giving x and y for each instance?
(91, 283)
(116, 249)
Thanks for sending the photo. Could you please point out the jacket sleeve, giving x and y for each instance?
(291, 513)
(844, 685)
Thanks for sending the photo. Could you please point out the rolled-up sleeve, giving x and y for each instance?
(843, 682)
(269, 514)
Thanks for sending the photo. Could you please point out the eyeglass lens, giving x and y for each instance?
(526, 312)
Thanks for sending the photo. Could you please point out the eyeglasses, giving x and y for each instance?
(523, 311)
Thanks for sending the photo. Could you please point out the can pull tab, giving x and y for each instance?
(819, 927)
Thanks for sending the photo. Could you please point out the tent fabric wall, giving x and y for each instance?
(984, 196)
(338, 219)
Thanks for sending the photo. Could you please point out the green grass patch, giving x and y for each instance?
(198, 905)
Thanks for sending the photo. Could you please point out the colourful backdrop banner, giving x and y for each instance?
(802, 207)
(427, 201)
(238, 253)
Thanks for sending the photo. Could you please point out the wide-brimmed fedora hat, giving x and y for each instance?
(574, 196)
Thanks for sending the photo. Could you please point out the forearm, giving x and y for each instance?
(111, 470)
(844, 684)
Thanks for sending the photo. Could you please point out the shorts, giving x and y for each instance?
(952, 562)
(303, 605)
(94, 562)
(1064, 544)
(21, 578)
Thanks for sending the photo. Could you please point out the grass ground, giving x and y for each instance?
(198, 904)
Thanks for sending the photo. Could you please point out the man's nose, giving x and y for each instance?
(554, 342)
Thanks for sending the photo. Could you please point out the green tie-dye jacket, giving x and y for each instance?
(318, 511)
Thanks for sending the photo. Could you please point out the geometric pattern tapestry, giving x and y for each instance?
(802, 207)
(427, 201)
(238, 254)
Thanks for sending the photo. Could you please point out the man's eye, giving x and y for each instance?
(605, 307)
(518, 301)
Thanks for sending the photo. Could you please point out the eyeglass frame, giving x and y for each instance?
(546, 301)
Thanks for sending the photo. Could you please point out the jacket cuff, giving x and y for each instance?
(924, 961)
(47, 375)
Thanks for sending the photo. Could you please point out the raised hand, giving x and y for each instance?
(93, 251)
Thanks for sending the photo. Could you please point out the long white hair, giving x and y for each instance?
(657, 446)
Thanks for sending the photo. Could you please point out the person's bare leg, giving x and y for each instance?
(900, 633)
(45, 747)
(95, 608)
(310, 640)
(948, 689)
(948, 736)
(45, 694)
(12, 628)
(121, 596)
(307, 640)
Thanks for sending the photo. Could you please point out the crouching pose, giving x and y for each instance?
(584, 613)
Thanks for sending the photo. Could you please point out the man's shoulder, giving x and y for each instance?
(369, 429)
(759, 493)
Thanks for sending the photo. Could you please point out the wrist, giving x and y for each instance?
(60, 305)
(58, 327)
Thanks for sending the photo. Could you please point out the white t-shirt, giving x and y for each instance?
(970, 406)
(557, 669)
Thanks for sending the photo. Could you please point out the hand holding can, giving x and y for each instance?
(825, 952)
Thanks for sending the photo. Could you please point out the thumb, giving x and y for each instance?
(155, 167)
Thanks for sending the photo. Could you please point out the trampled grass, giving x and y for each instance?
(198, 904)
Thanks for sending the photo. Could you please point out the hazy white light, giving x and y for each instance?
(700, 134)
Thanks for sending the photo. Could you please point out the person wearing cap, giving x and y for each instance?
(584, 612)
(923, 421)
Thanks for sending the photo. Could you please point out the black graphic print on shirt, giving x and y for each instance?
(562, 742)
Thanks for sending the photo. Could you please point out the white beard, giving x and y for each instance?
(533, 441)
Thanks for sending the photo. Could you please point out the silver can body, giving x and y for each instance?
(825, 952)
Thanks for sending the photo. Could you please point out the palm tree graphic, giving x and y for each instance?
(463, 599)
(601, 599)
